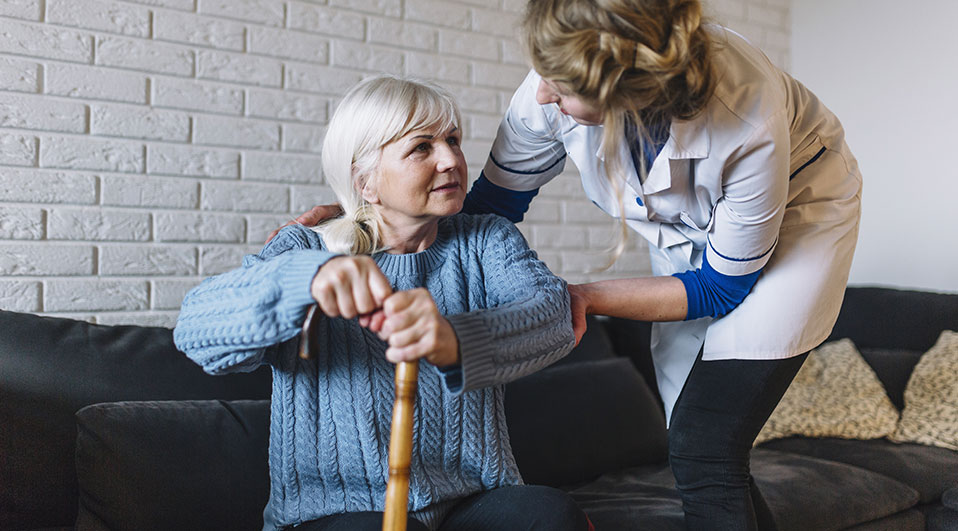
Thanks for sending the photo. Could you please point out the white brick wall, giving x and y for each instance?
(146, 144)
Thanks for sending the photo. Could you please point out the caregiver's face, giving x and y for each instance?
(569, 104)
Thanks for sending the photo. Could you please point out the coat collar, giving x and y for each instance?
(688, 139)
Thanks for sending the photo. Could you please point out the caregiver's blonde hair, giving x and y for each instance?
(372, 114)
(643, 61)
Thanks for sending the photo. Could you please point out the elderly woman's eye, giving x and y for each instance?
(452, 140)
(423, 147)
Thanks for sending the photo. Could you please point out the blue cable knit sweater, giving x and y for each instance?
(330, 416)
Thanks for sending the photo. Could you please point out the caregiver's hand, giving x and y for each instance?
(347, 286)
(415, 329)
(579, 302)
(311, 218)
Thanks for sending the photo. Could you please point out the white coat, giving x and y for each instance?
(761, 178)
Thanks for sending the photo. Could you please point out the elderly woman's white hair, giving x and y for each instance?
(372, 114)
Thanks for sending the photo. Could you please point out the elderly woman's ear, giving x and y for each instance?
(367, 189)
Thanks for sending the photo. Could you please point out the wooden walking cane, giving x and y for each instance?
(400, 438)
(400, 447)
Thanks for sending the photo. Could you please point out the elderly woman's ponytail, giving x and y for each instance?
(355, 232)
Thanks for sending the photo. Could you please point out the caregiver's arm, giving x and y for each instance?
(642, 299)
(690, 295)
(525, 155)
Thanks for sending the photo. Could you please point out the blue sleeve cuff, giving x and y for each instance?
(488, 198)
(452, 377)
(712, 294)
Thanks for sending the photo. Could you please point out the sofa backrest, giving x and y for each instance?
(895, 319)
(892, 328)
(52, 367)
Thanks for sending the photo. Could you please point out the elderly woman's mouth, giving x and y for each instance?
(449, 187)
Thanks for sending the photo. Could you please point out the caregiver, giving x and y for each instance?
(740, 180)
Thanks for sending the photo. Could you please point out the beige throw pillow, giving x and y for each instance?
(931, 397)
(834, 394)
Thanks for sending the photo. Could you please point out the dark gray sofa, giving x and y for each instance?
(809, 484)
(111, 428)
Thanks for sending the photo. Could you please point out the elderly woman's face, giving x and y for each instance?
(421, 175)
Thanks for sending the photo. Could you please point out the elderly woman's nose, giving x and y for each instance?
(545, 94)
(448, 158)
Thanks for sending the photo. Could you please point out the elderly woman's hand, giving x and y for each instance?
(348, 286)
(415, 329)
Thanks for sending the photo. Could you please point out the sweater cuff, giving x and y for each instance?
(296, 278)
(476, 350)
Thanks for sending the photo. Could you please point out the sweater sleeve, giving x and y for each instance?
(227, 322)
(527, 322)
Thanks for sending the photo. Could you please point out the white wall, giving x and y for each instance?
(888, 70)
(146, 144)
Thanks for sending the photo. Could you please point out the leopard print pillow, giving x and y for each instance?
(931, 397)
(834, 394)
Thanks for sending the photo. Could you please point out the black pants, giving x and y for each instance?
(526, 507)
(720, 411)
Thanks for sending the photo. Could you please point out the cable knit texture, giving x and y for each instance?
(331, 415)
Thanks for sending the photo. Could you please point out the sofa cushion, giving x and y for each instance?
(950, 498)
(642, 497)
(173, 465)
(50, 368)
(594, 345)
(910, 520)
(574, 422)
(834, 394)
(632, 339)
(931, 397)
(939, 518)
(802, 492)
(927, 469)
(808, 493)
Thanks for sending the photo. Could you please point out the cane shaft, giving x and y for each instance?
(308, 348)
(400, 447)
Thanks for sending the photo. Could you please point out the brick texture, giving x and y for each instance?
(146, 144)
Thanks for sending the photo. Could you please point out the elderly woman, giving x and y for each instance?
(398, 277)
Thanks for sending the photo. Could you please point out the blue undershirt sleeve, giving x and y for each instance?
(452, 375)
(712, 294)
(488, 198)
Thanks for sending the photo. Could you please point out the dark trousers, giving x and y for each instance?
(720, 411)
(525, 507)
